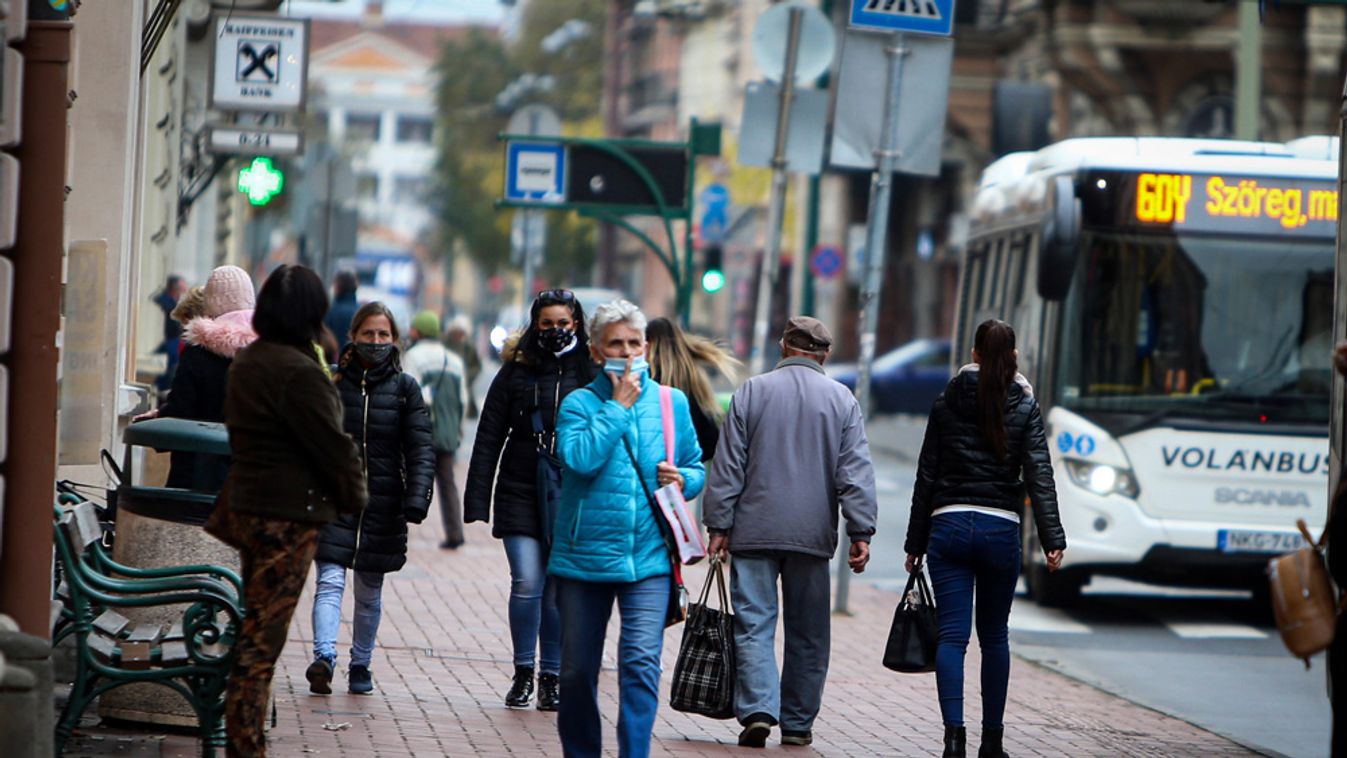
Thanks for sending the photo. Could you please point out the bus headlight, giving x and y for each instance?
(1102, 479)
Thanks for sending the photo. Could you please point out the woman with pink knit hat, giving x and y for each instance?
(198, 391)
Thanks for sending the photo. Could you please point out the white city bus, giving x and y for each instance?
(1174, 302)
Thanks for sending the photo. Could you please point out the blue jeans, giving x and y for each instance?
(368, 592)
(970, 549)
(585, 608)
(795, 695)
(533, 605)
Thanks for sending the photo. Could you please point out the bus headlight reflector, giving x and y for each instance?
(1102, 479)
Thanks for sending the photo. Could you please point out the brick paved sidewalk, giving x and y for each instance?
(443, 664)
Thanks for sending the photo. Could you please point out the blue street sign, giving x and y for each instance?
(826, 261)
(715, 200)
(535, 172)
(915, 16)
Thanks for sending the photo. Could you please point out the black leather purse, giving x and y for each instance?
(912, 638)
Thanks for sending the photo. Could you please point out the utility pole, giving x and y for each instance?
(1248, 72)
(777, 208)
(876, 244)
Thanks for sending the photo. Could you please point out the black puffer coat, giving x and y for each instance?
(506, 423)
(385, 414)
(959, 467)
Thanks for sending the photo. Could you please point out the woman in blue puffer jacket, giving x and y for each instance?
(607, 544)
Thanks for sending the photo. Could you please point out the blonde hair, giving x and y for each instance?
(191, 305)
(676, 359)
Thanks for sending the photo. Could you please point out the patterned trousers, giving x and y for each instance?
(276, 557)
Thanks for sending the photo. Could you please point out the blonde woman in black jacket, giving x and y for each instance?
(984, 448)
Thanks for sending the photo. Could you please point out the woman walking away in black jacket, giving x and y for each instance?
(679, 360)
(541, 367)
(984, 448)
(384, 412)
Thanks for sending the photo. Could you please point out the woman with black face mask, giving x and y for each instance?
(543, 364)
(384, 412)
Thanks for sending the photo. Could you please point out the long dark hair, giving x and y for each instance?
(995, 346)
(528, 341)
(290, 307)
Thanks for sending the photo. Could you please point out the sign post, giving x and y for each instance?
(927, 17)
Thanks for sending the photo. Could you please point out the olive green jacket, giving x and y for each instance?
(292, 460)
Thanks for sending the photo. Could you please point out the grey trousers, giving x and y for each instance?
(792, 697)
(451, 506)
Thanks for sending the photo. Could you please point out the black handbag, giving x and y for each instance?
(912, 638)
(548, 475)
(704, 674)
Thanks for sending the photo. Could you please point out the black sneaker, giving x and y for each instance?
(521, 690)
(359, 681)
(756, 729)
(792, 737)
(549, 692)
(319, 675)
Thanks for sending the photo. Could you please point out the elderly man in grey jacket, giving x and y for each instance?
(792, 453)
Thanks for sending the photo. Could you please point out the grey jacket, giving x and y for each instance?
(792, 450)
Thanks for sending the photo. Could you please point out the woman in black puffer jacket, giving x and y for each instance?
(384, 412)
(541, 367)
(984, 448)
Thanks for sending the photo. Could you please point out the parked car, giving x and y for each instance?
(904, 380)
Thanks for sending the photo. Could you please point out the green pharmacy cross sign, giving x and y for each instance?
(611, 180)
(261, 181)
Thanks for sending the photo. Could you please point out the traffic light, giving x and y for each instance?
(261, 181)
(713, 278)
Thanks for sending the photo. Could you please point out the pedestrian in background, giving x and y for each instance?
(609, 546)
(542, 366)
(458, 337)
(344, 306)
(445, 391)
(679, 360)
(167, 299)
(294, 469)
(984, 447)
(792, 454)
(212, 339)
(386, 416)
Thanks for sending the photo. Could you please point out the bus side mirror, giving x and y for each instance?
(1057, 241)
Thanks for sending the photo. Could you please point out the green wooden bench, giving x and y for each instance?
(193, 656)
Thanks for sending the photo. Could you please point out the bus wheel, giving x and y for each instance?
(1057, 589)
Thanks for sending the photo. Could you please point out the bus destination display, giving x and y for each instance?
(1211, 203)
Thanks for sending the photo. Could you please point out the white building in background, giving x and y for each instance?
(372, 83)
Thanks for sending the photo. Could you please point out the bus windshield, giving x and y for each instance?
(1209, 327)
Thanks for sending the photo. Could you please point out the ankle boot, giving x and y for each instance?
(549, 692)
(991, 743)
(955, 740)
(521, 690)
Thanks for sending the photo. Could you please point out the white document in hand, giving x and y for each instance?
(687, 535)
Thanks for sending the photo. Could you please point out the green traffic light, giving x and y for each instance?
(713, 280)
(261, 181)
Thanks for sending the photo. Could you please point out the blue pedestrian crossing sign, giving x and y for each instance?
(535, 172)
(915, 16)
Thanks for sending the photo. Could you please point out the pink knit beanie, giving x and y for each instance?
(228, 289)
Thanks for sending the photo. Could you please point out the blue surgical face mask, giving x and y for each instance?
(619, 365)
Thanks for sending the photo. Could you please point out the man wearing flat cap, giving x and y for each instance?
(792, 454)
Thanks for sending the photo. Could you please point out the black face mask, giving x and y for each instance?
(555, 340)
(372, 354)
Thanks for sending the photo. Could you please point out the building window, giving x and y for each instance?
(410, 190)
(415, 129)
(363, 126)
(367, 186)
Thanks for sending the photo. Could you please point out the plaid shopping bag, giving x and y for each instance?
(703, 677)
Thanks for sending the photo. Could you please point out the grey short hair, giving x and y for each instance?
(616, 312)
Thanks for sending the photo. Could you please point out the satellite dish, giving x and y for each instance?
(818, 42)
